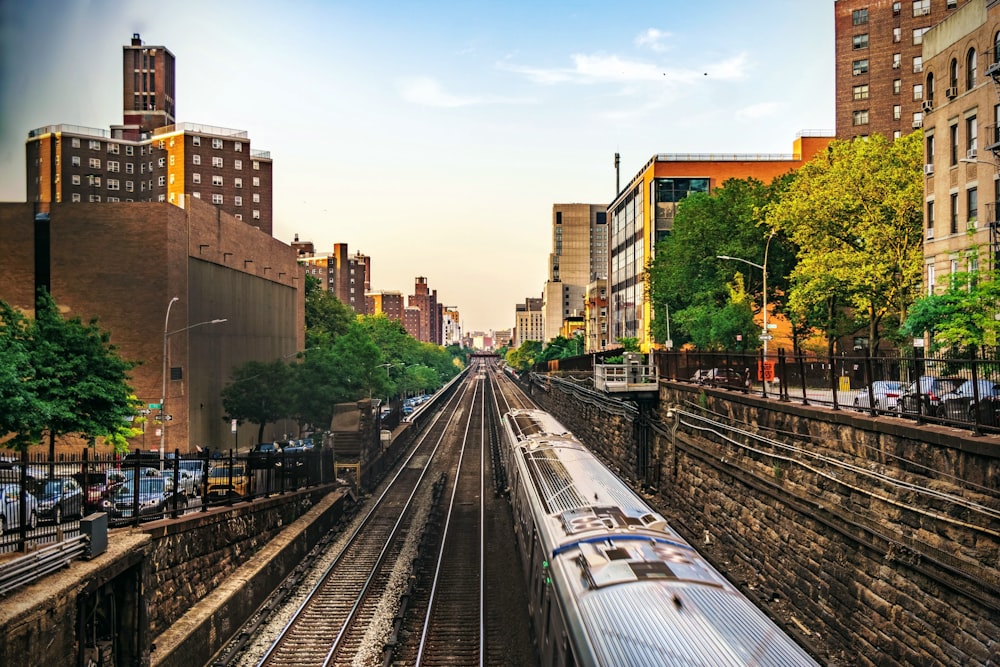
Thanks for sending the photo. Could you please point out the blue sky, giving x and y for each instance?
(436, 136)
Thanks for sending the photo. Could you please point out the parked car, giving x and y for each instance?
(886, 393)
(961, 403)
(156, 498)
(721, 377)
(227, 482)
(931, 389)
(265, 454)
(196, 469)
(98, 488)
(10, 508)
(59, 497)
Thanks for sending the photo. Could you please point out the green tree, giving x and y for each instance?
(963, 315)
(687, 274)
(523, 358)
(78, 377)
(855, 214)
(22, 411)
(326, 316)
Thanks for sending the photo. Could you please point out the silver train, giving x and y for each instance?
(610, 583)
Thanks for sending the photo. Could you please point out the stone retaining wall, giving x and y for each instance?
(821, 529)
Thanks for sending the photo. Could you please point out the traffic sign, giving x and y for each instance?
(162, 417)
(168, 418)
(144, 412)
(766, 337)
(155, 406)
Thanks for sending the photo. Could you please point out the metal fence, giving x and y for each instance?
(959, 390)
(52, 496)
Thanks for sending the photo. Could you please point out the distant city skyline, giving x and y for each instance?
(423, 134)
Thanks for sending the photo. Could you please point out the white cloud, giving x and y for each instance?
(602, 68)
(653, 39)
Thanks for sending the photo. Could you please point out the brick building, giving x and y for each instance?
(425, 299)
(347, 277)
(141, 162)
(385, 302)
(880, 80)
(643, 212)
(123, 263)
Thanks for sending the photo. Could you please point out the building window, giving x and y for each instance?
(897, 60)
(196, 141)
(129, 168)
(256, 181)
(897, 112)
(95, 198)
(216, 199)
(970, 69)
(171, 178)
(75, 160)
(918, 92)
(195, 159)
(196, 177)
(113, 166)
(113, 184)
(921, 7)
(897, 35)
(953, 74)
(860, 67)
(896, 86)
(971, 136)
(972, 206)
(930, 278)
(239, 216)
(861, 117)
(255, 165)
(256, 198)
(860, 16)
(953, 132)
(75, 197)
(162, 181)
(238, 182)
(161, 198)
(113, 148)
(930, 149)
(217, 162)
(953, 214)
(94, 145)
(74, 142)
(216, 143)
(256, 214)
(860, 42)
(238, 164)
(129, 186)
(130, 150)
(238, 146)
(162, 162)
(142, 167)
(861, 92)
(94, 163)
(918, 35)
(238, 201)
(918, 64)
(930, 219)
(75, 179)
(217, 180)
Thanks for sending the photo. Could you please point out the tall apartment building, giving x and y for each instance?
(962, 144)
(880, 77)
(148, 76)
(385, 302)
(596, 316)
(643, 213)
(529, 322)
(579, 255)
(425, 299)
(136, 162)
(412, 322)
(451, 327)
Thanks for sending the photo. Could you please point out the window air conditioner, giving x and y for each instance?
(951, 92)
(918, 122)
(927, 105)
(929, 168)
(970, 154)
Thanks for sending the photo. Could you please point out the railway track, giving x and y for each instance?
(333, 626)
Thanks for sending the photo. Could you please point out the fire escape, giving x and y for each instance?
(993, 137)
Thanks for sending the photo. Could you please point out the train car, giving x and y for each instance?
(610, 582)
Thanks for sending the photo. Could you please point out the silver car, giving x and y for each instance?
(10, 508)
(885, 392)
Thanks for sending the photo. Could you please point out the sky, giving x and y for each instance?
(435, 137)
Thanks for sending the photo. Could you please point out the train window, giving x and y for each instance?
(547, 620)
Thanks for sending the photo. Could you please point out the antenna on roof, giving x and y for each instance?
(617, 174)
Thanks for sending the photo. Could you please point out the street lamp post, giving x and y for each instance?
(765, 336)
(163, 389)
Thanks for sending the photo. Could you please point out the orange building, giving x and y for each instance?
(643, 214)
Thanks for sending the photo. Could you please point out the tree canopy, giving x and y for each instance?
(854, 213)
